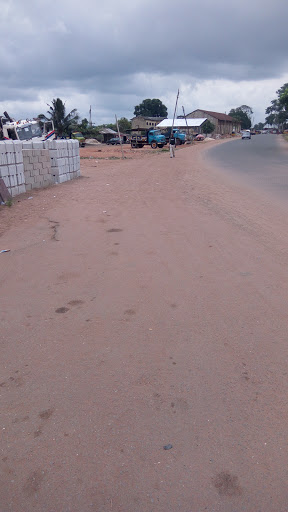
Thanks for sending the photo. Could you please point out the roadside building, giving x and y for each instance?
(224, 124)
(145, 122)
(107, 134)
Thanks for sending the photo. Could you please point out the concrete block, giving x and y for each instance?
(27, 152)
(20, 178)
(28, 167)
(19, 157)
(37, 144)
(4, 171)
(27, 144)
(62, 178)
(22, 188)
(28, 186)
(11, 158)
(19, 168)
(13, 181)
(29, 180)
(9, 146)
(12, 169)
(2, 147)
(3, 159)
(17, 144)
(78, 173)
(14, 191)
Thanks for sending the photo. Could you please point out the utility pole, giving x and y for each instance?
(171, 133)
(186, 122)
(90, 117)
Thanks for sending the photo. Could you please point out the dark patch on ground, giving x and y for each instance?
(227, 484)
(61, 310)
(114, 230)
(75, 302)
(55, 227)
(33, 482)
(44, 415)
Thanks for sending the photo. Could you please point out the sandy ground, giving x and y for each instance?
(143, 306)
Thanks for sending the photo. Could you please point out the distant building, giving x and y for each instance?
(224, 125)
(145, 122)
(107, 134)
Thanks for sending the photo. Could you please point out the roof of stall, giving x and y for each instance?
(182, 123)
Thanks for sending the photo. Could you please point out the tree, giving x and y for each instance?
(243, 115)
(151, 108)
(208, 127)
(63, 122)
(277, 112)
(124, 124)
(259, 126)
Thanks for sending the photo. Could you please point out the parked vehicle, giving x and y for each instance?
(199, 137)
(80, 137)
(25, 129)
(246, 134)
(114, 140)
(180, 137)
(152, 137)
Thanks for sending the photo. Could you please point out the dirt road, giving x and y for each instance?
(144, 306)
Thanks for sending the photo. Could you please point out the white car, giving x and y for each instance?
(246, 134)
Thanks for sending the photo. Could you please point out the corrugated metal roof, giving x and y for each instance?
(217, 115)
(108, 131)
(182, 123)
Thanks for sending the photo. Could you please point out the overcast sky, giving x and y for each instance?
(112, 55)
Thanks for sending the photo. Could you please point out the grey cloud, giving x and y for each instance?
(104, 48)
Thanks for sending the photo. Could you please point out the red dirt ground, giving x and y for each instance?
(142, 305)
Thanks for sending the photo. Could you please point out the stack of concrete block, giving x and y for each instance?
(37, 165)
(11, 166)
(65, 159)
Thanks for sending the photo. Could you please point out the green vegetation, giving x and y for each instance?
(151, 108)
(277, 112)
(63, 123)
(243, 114)
(208, 127)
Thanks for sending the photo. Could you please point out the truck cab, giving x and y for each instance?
(152, 137)
(26, 129)
(156, 139)
(78, 136)
(180, 137)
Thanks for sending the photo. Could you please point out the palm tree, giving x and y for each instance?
(62, 121)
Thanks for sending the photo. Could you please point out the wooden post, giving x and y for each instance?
(119, 136)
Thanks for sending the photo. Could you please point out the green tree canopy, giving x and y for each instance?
(63, 122)
(243, 115)
(208, 127)
(124, 124)
(151, 108)
(277, 112)
(259, 126)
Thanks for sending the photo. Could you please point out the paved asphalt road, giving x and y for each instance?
(261, 162)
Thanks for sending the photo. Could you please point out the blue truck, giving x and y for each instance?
(154, 138)
(180, 137)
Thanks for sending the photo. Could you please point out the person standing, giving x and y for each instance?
(172, 146)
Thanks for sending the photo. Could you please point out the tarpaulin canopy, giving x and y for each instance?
(182, 123)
